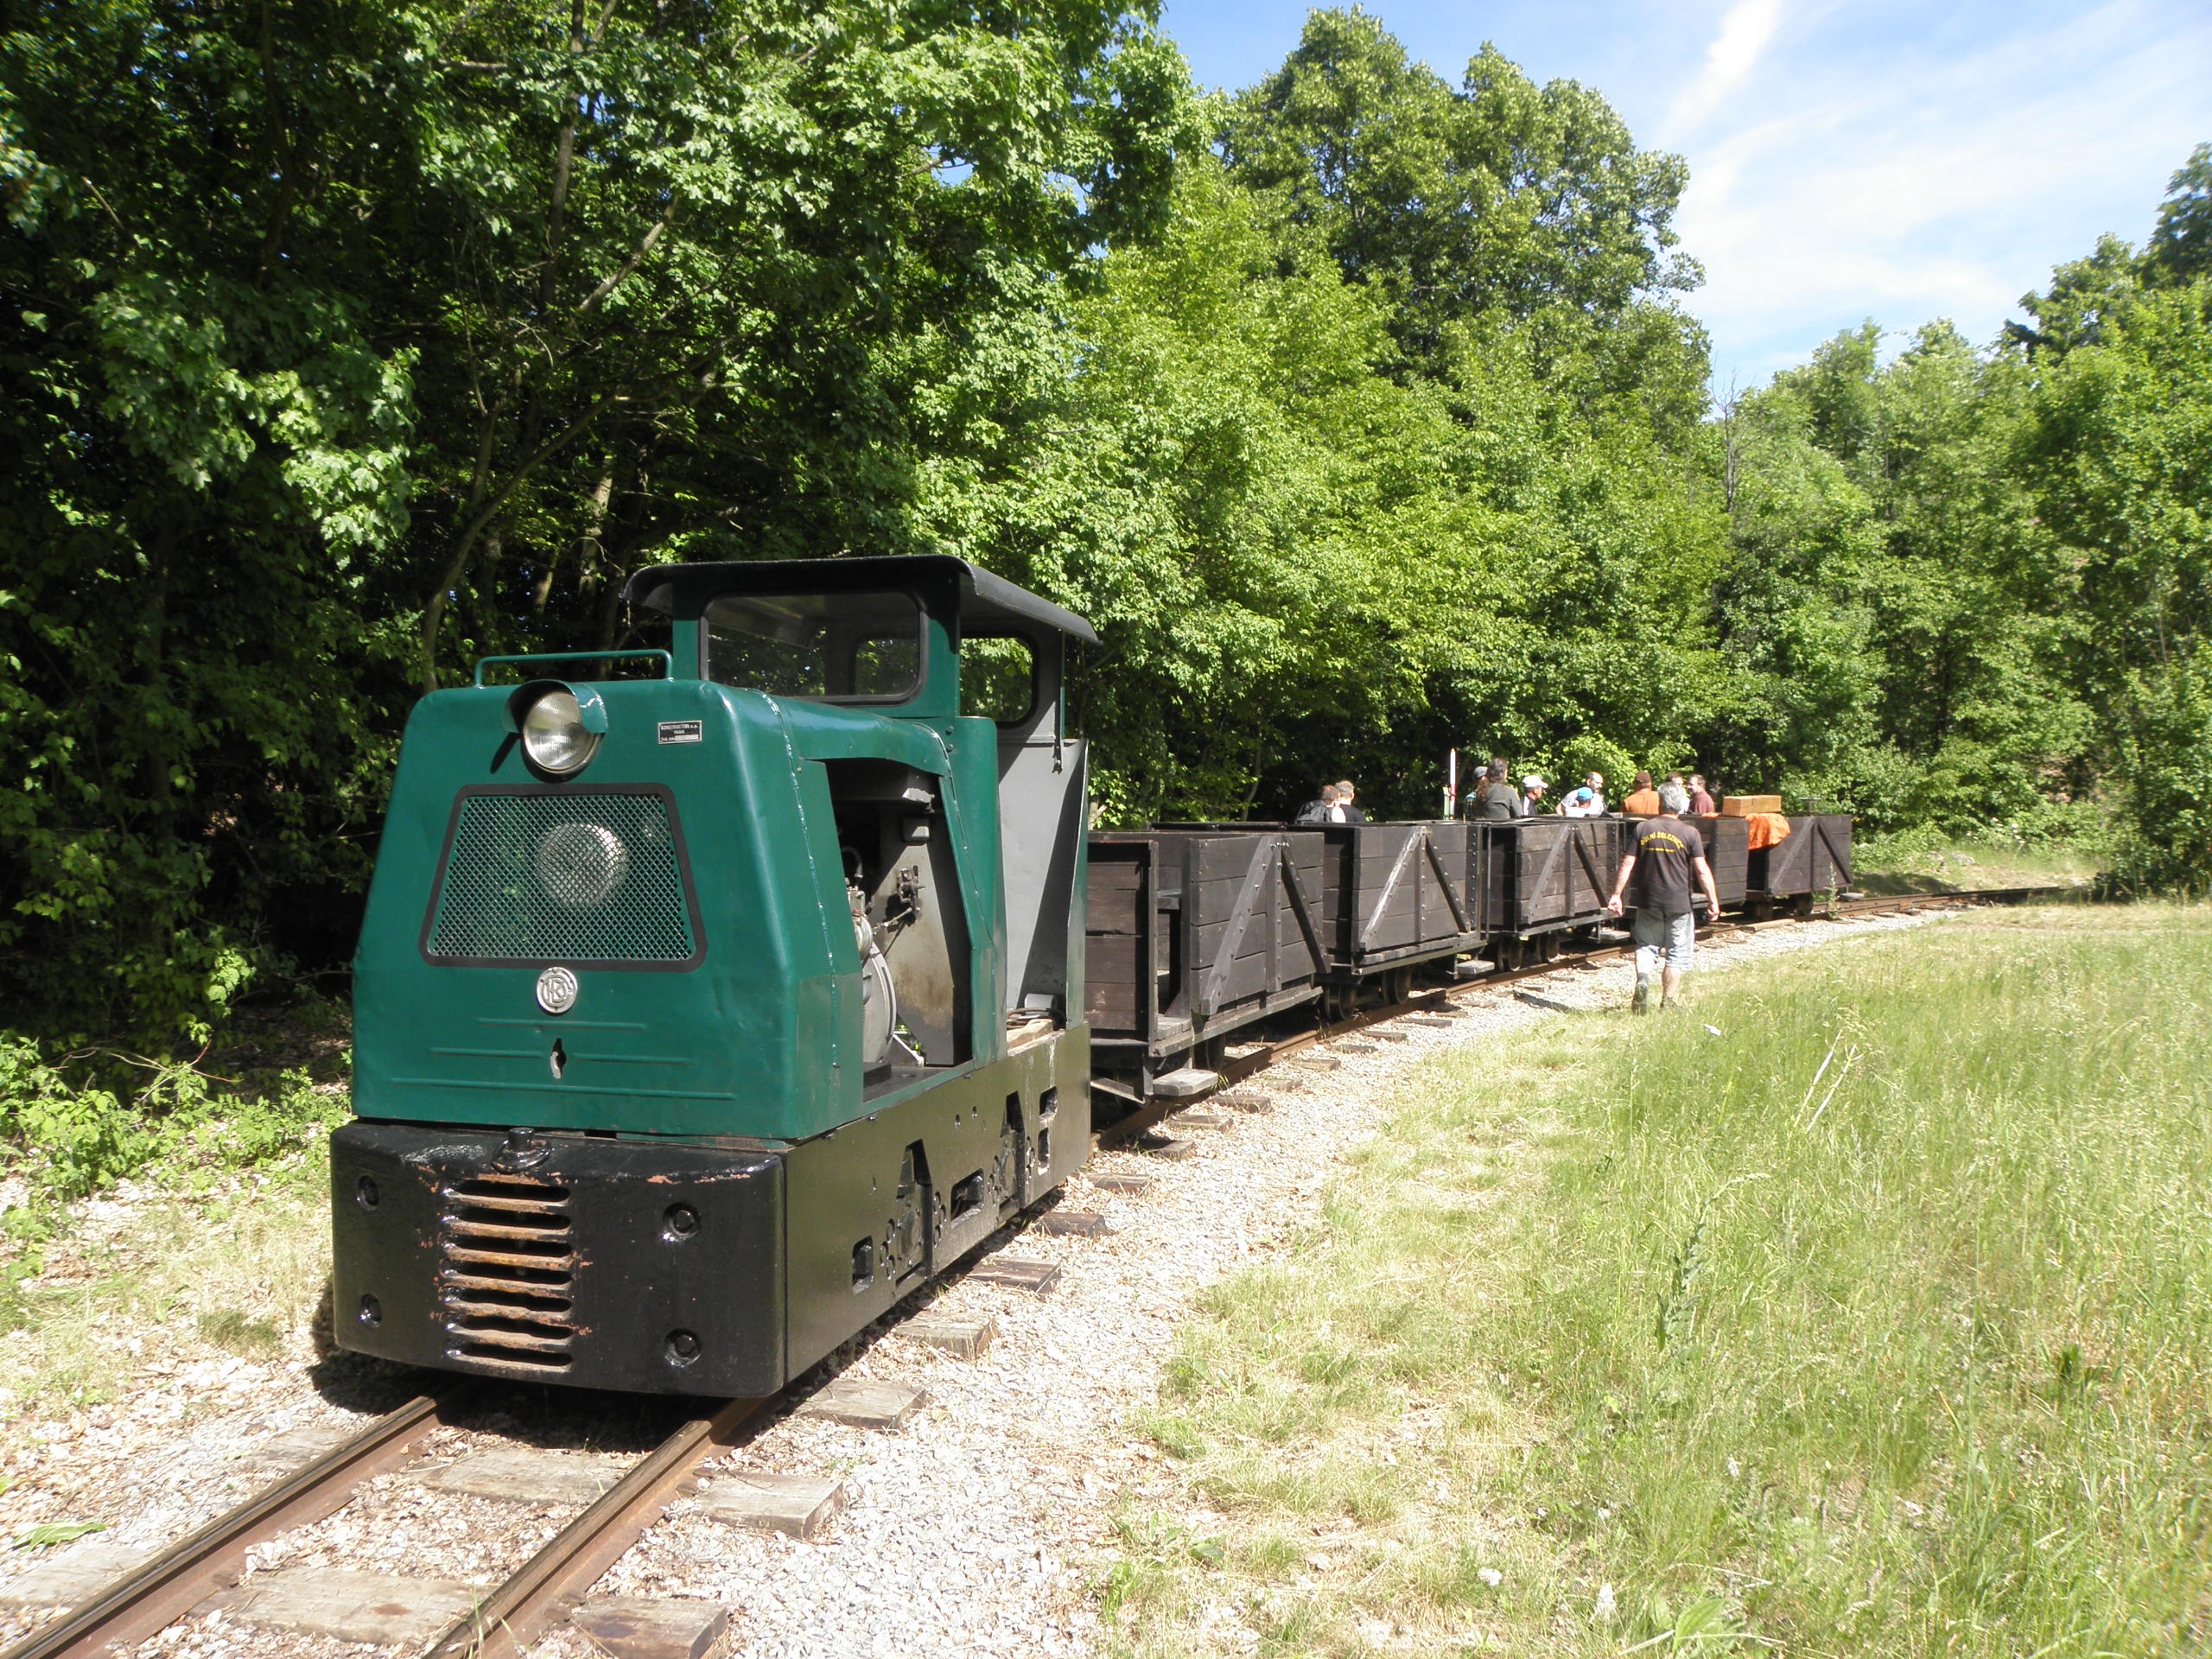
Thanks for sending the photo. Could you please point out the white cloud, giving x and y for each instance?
(1906, 178)
(1744, 33)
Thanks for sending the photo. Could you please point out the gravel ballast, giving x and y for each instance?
(981, 1527)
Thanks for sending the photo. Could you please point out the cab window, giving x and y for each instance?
(998, 679)
(836, 647)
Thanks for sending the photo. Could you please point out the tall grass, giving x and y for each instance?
(1875, 1324)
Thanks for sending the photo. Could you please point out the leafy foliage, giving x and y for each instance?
(2117, 456)
(1894, 596)
(1497, 198)
(1333, 517)
(348, 342)
(1361, 411)
(70, 1137)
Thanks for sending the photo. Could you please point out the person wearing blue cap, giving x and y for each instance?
(1587, 802)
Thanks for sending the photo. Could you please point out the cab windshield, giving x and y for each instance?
(836, 647)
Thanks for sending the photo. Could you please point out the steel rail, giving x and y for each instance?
(1441, 999)
(148, 1600)
(547, 1585)
(151, 1598)
(1886, 903)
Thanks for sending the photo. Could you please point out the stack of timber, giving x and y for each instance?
(1537, 874)
(1191, 934)
(1393, 893)
(1727, 850)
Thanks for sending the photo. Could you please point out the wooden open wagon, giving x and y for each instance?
(1814, 858)
(1727, 850)
(1394, 895)
(1191, 934)
(1540, 877)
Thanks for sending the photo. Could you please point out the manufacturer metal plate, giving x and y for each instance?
(682, 731)
(556, 991)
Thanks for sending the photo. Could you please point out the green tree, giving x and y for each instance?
(344, 342)
(1498, 197)
(2120, 456)
(1519, 246)
(1219, 478)
(2181, 244)
(1894, 594)
(1305, 564)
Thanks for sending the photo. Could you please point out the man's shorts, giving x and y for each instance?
(1673, 938)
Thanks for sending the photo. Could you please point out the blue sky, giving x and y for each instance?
(1898, 160)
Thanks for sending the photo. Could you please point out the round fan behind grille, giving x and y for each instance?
(581, 865)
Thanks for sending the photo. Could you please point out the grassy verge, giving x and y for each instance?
(1914, 863)
(153, 1212)
(1876, 1324)
(160, 1279)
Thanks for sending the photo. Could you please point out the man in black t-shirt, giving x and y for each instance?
(1667, 852)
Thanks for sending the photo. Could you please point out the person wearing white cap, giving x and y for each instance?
(1532, 795)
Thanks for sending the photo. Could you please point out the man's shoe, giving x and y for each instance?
(1643, 1003)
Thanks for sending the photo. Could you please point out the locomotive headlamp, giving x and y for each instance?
(560, 725)
(553, 733)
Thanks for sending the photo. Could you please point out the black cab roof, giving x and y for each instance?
(982, 598)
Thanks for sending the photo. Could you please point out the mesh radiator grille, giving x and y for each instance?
(565, 877)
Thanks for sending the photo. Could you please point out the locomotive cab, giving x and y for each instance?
(699, 1018)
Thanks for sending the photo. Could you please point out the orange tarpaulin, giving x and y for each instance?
(1766, 829)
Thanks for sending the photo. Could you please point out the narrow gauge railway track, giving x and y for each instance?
(156, 1595)
(1257, 1057)
(148, 1600)
(521, 1609)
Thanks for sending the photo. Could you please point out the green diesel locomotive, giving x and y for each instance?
(701, 1018)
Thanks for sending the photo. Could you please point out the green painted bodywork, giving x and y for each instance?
(761, 1039)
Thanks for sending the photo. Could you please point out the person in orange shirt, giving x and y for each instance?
(1643, 801)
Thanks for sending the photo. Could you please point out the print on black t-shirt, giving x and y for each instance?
(1664, 850)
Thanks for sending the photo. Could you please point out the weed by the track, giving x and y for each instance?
(158, 1278)
(1876, 1324)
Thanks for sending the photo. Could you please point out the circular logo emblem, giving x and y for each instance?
(556, 991)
